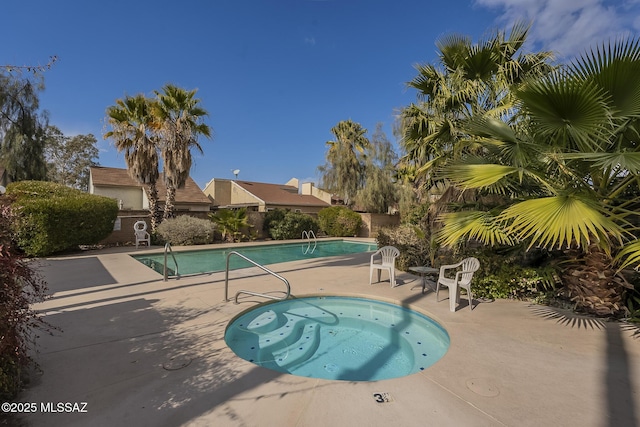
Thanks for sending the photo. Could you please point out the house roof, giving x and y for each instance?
(277, 194)
(116, 177)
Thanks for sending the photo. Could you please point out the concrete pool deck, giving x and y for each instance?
(143, 352)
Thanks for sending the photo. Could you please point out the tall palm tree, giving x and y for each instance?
(131, 122)
(567, 169)
(179, 122)
(343, 172)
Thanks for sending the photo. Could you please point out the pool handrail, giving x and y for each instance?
(257, 294)
(167, 249)
(310, 234)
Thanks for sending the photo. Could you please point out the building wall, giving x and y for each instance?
(219, 192)
(240, 196)
(132, 198)
(123, 227)
(371, 223)
(309, 189)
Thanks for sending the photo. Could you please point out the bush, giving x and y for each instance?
(52, 218)
(292, 226)
(231, 223)
(186, 230)
(272, 218)
(19, 288)
(339, 221)
(414, 247)
(504, 276)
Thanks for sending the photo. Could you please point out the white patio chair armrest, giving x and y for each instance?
(443, 268)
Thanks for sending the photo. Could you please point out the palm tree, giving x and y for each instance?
(343, 172)
(179, 123)
(471, 79)
(230, 223)
(132, 132)
(567, 170)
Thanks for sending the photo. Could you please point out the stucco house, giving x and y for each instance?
(262, 197)
(117, 184)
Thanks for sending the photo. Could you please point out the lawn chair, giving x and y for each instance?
(140, 230)
(462, 279)
(388, 256)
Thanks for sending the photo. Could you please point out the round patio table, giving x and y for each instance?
(424, 272)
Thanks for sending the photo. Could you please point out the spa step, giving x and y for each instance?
(265, 322)
(284, 335)
(300, 350)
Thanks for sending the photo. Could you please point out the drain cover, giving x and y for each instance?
(483, 387)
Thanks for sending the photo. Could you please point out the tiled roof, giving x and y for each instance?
(276, 194)
(116, 177)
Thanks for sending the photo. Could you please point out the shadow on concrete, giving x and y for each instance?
(618, 373)
(567, 318)
(141, 363)
(71, 274)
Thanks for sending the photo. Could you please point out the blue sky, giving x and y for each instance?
(275, 75)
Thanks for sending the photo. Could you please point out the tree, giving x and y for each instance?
(69, 158)
(230, 223)
(471, 79)
(343, 172)
(22, 127)
(179, 122)
(132, 131)
(566, 170)
(380, 192)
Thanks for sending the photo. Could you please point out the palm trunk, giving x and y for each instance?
(154, 206)
(169, 203)
(595, 286)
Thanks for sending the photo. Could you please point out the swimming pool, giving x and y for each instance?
(212, 260)
(338, 338)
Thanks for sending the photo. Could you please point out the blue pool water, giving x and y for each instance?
(338, 338)
(212, 260)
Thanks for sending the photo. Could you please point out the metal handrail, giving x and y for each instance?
(167, 249)
(315, 241)
(309, 235)
(263, 268)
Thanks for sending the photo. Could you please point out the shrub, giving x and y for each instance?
(52, 218)
(231, 223)
(272, 218)
(186, 230)
(292, 226)
(339, 221)
(414, 247)
(503, 275)
(20, 287)
(416, 214)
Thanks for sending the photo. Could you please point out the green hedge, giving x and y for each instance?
(53, 218)
(339, 221)
(292, 226)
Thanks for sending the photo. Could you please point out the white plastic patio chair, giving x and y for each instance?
(388, 255)
(140, 230)
(462, 279)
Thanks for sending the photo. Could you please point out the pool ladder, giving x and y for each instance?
(258, 294)
(309, 234)
(168, 250)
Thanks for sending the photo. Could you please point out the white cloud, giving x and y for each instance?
(310, 40)
(569, 27)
